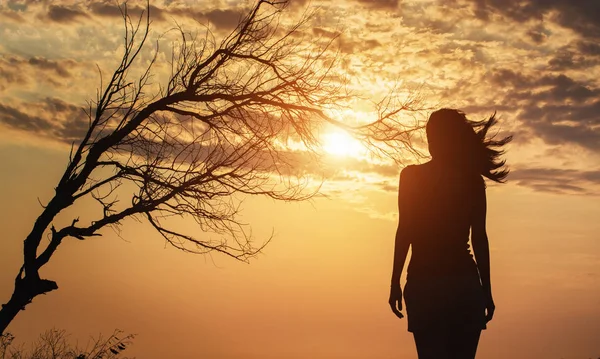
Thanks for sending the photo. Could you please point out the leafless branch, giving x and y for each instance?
(218, 129)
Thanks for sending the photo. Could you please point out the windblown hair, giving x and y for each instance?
(458, 141)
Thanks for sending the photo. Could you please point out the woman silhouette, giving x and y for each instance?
(448, 295)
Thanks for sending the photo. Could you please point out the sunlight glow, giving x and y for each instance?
(339, 143)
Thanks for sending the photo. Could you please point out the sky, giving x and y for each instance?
(320, 287)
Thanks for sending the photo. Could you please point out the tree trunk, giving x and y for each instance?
(25, 290)
(28, 283)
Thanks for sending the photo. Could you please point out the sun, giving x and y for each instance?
(340, 143)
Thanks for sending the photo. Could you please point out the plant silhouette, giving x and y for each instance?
(54, 344)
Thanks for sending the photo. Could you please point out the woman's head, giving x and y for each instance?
(457, 141)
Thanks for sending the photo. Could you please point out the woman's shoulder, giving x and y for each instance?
(408, 171)
(414, 173)
(430, 170)
(412, 170)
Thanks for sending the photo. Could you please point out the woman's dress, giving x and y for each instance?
(443, 289)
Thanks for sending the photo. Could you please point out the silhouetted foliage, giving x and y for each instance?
(54, 344)
(219, 127)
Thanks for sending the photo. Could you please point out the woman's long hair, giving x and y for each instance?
(458, 141)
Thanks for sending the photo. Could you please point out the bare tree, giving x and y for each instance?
(218, 128)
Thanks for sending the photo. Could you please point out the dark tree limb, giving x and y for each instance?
(216, 131)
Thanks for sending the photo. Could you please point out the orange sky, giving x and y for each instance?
(320, 288)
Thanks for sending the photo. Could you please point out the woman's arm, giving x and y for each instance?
(402, 242)
(481, 247)
(400, 252)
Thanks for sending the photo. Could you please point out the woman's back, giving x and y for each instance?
(439, 211)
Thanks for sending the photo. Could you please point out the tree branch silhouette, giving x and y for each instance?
(216, 130)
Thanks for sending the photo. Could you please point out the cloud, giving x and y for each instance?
(321, 32)
(109, 9)
(224, 19)
(24, 71)
(580, 16)
(59, 67)
(538, 34)
(556, 108)
(11, 15)
(50, 118)
(17, 119)
(10, 74)
(64, 14)
(349, 45)
(571, 58)
(558, 180)
(380, 4)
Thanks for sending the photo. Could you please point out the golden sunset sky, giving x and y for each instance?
(319, 290)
